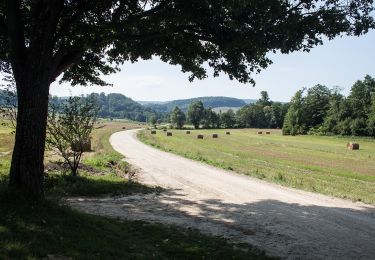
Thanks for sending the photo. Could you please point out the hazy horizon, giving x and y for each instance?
(340, 62)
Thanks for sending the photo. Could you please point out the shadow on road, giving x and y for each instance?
(283, 229)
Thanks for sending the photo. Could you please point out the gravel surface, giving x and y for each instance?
(285, 222)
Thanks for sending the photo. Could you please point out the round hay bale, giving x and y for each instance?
(84, 146)
(227, 133)
(200, 136)
(165, 130)
(260, 132)
(123, 127)
(169, 133)
(352, 146)
(153, 132)
(187, 132)
(268, 133)
(215, 136)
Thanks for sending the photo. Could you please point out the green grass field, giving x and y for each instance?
(47, 229)
(314, 163)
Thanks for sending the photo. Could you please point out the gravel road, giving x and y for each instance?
(285, 222)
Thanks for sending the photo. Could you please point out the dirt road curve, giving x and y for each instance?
(284, 222)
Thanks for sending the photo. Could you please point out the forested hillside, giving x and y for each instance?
(119, 106)
(184, 104)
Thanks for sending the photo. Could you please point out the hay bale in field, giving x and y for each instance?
(84, 146)
(200, 136)
(169, 133)
(164, 129)
(268, 133)
(153, 132)
(352, 146)
(259, 133)
(187, 132)
(227, 133)
(123, 127)
(215, 136)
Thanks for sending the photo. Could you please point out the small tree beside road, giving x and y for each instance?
(69, 129)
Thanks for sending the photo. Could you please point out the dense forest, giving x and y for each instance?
(183, 104)
(328, 112)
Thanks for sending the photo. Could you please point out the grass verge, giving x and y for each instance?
(313, 163)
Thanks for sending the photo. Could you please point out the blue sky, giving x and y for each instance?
(337, 63)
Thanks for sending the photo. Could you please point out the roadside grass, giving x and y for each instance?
(103, 169)
(49, 229)
(59, 185)
(313, 163)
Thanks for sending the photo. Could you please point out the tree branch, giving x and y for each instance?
(16, 35)
(64, 59)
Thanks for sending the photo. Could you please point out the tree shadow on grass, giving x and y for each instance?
(38, 230)
(283, 229)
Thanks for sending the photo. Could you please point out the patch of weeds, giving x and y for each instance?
(259, 174)
(105, 160)
(280, 177)
(58, 184)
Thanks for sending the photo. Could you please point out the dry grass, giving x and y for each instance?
(314, 163)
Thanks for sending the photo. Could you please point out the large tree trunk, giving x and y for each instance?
(35, 64)
(27, 169)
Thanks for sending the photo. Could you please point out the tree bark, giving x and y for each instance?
(27, 169)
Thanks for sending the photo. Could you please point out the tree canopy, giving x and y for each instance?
(178, 117)
(326, 111)
(82, 39)
(196, 113)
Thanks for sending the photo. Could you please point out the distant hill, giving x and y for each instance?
(213, 102)
(118, 106)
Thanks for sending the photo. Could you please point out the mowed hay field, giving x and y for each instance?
(314, 163)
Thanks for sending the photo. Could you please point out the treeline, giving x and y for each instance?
(184, 104)
(262, 114)
(119, 106)
(326, 111)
